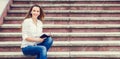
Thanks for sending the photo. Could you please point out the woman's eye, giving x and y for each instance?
(38, 11)
(34, 10)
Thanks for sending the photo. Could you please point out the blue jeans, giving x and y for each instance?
(40, 50)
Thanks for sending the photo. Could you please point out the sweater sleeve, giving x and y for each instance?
(25, 30)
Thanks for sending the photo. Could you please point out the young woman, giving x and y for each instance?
(32, 28)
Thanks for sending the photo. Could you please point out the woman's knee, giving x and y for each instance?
(49, 40)
(41, 49)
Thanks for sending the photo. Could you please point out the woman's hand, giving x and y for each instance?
(41, 39)
(35, 39)
(49, 34)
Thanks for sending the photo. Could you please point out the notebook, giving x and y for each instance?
(44, 36)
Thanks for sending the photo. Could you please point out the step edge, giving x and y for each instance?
(67, 54)
(67, 43)
(66, 26)
(68, 18)
(65, 5)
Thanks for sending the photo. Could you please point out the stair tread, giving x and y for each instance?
(69, 11)
(62, 5)
(66, 26)
(20, 54)
(67, 54)
(80, 34)
(67, 0)
(69, 18)
(67, 43)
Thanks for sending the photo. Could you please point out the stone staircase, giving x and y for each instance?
(81, 29)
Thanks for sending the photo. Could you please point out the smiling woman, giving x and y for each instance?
(36, 9)
(35, 13)
(32, 28)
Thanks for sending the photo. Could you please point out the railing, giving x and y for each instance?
(4, 7)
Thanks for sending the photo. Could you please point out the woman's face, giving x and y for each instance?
(35, 12)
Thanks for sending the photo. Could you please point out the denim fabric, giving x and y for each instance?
(40, 50)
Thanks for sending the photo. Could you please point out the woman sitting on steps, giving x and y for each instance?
(32, 43)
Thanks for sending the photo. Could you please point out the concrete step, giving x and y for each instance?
(66, 5)
(69, 6)
(20, 54)
(66, 28)
(67, 38)
(14, 46)
(81, 34)
(60, 46)
(66, 43)
(69, 14)
(66, 0)
(68, 20)
(48, 20)
(71, 18)
(71, 54)
(69, 11)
